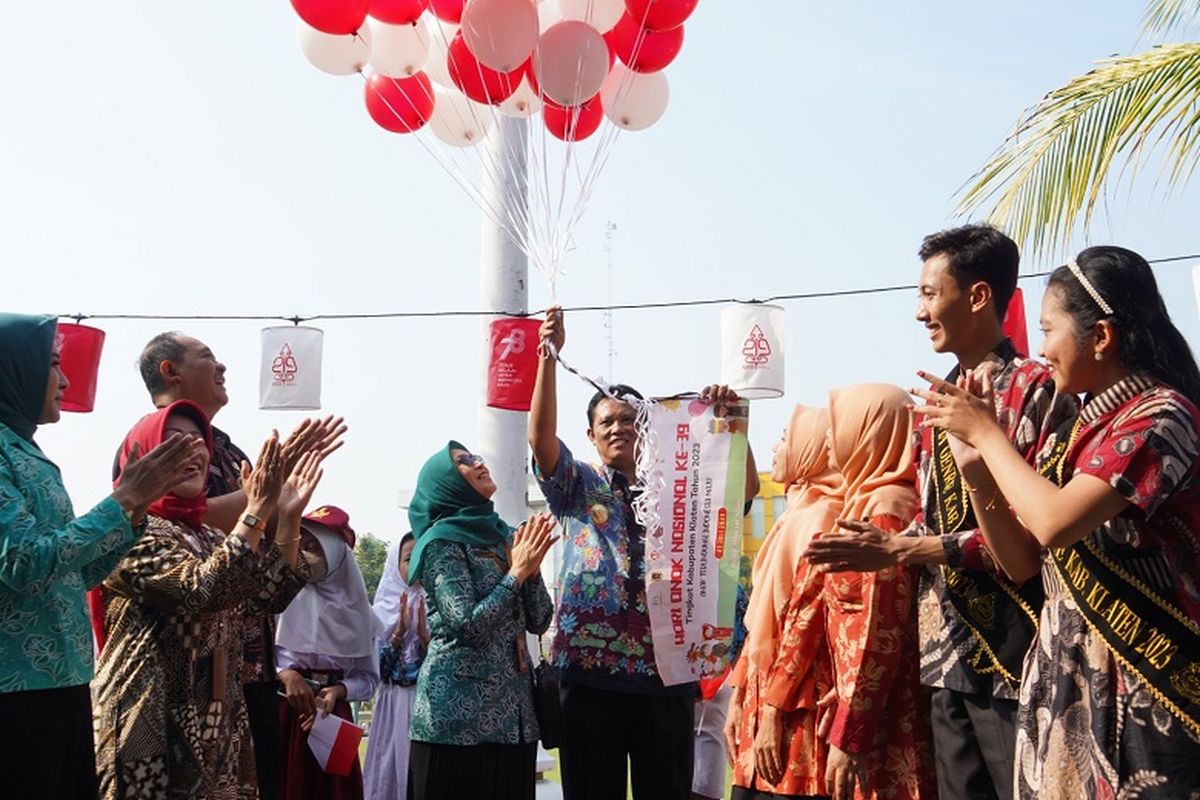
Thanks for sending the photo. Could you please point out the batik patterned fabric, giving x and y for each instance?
(1029, 410)
(801, 676)
(602, 636)
(1089, 726)
(475, 683)
(48, 559)
(169, 716)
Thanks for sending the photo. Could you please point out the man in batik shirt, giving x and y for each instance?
(618, 717)
(975, 624)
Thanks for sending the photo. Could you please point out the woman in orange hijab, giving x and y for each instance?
(771, 728)
(877, 729)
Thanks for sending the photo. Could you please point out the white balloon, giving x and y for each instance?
(500, 33)
(458, 120)
(634, 100)
(600, 14)
(438, 67)
(524, 102)
(399, 51)
(337, 55)
(548, 14)
(570, 62)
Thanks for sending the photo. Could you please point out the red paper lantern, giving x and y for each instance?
(80, 347)
(660, 15)
(447, 10)
(396, 12)
(573, 123)
(512, 367)
(481, 84)
(337, 17)
(400, 105)
(1015, 327)
(644, 50)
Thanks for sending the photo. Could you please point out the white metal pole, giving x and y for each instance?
(503, 282)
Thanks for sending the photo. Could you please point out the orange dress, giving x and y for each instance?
(856, 631)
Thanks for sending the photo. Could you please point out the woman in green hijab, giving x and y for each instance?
(48, 558)
(474, 733)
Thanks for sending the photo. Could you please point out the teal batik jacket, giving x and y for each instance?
(476, 682)
(48, 559)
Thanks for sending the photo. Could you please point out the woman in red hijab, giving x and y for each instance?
(170, 717)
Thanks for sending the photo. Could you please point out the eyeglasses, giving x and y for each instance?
(468, 460)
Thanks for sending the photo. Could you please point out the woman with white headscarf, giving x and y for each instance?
(325, 653)
(400, 607)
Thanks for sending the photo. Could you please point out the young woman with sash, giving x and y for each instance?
(1110, 695)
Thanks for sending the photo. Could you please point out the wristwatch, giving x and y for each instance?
(258, 523)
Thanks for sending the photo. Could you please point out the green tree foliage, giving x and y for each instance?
(371, 553)
(1053, 169)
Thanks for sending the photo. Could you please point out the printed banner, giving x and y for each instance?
(290, 377)
(694, 535)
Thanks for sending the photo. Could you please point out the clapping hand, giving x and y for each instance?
(146, 478)
(530, 543)
(298, 489)
(964, 410)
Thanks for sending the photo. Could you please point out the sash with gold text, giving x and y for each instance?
(1002, 616)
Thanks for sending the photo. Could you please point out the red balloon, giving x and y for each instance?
(337, 17)
(447, 10)
(573, 123)
(396, 12)
(642, 50)
(481, 84)
(660, 15)
(400, 105)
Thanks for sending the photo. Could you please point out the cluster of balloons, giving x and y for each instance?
(454, 64)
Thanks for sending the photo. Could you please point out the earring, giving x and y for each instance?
(1099, 357)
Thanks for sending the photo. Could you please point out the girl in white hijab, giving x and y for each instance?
(400, 607)
(325, 653)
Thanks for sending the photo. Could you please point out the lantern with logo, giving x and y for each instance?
(752, 350)
(80, 347)
(290, 376)
(512, 368)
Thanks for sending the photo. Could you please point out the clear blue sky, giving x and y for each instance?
(186, 159)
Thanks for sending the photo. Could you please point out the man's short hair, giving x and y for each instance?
(620, 390)
(978, 253)
(164, 347)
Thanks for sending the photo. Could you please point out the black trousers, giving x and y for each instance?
(472, 772)
(608, 734)
(46, 741)
(262, 707)
(974, 737)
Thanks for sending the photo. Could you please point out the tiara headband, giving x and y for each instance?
(1087, 285)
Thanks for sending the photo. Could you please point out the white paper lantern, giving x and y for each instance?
(290, 377)
(752, 350)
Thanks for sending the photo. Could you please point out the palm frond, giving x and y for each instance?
(1166, 16)
(1056, 164)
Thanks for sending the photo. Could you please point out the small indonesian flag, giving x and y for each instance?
(334, 743)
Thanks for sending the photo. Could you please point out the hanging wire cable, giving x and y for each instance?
(296, 319)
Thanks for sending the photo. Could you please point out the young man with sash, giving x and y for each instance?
(1110, 694)
(975, 623)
